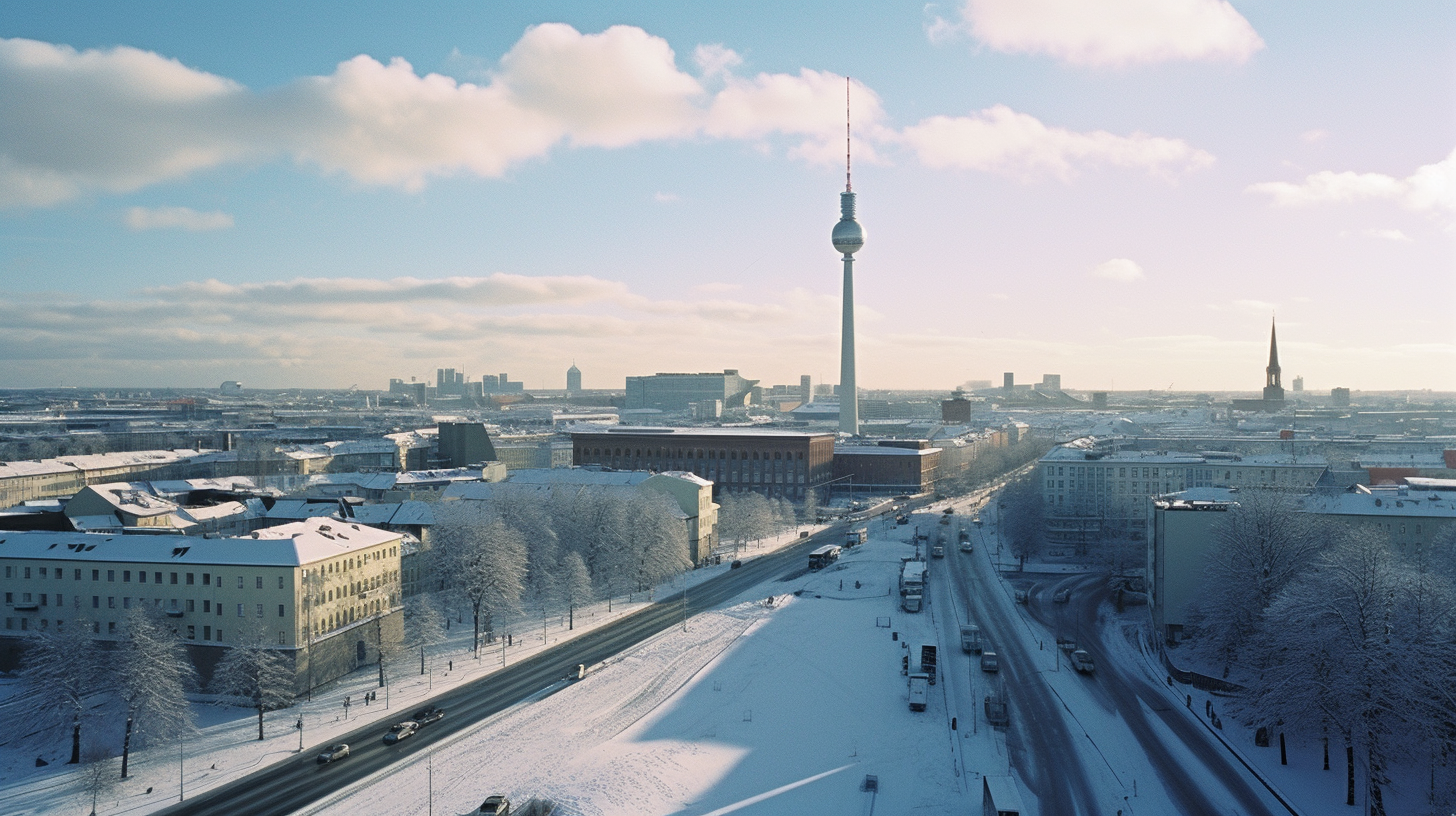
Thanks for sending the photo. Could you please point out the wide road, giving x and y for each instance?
(1049, 746)
(293, 784)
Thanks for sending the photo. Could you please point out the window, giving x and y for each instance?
(192, 633)
(240, 582)
(27, 572)
(174, 578)
(95, 601)
(111, 627)
(78, 575)
(206, 608)
(280, 582)
(142, 577)
(191, 605)
(126, 603)
(260, 610)
(219, 609)
(219, 635)
(206, 578)
(281, 640)
(110, 602)
(189, 579)
(157, 578)
(258, 583)
(241, 613)
(96, 575)
(207, 633)
(9, 571)
(280, 610)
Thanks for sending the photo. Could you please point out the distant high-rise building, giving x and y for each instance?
(806, 388)
(573, 379)
(1008, 381)
(1298, 384)
(1340, 397)
(675, 392)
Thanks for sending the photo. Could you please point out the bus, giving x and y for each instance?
(823, 557)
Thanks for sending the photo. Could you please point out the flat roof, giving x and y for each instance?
(882, 450)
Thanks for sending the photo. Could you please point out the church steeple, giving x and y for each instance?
(1273, 388)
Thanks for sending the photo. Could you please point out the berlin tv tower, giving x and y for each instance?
(848, 237)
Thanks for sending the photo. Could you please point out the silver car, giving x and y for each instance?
(332, 753)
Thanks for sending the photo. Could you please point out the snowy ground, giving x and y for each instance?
(227, 746)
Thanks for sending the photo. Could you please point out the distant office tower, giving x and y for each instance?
(676, 392)
(848, 237)
(806, 389)
(490, 384)
(1298, 384)
(573, 379)
(1340, 397)
(1008, 381)
(1051, 382)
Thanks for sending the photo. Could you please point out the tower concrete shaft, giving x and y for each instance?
(848, 389)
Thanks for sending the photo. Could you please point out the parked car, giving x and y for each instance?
(497, 805)
(399, 731)
(333, 753)
(1082, 662)
(1062, 595)
(425, 716)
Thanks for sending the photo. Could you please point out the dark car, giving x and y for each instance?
(332, 753)
(1062, 596)
(399, 731)
(425, 716)
(497, 805)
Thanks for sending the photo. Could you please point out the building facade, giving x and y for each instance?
(323, 592)
(776, 463)
(675, 392)
(886, 469)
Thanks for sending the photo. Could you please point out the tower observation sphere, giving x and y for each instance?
(848, 235)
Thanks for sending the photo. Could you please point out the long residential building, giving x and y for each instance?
(323, 592)
(1090, 493)
(773, 462)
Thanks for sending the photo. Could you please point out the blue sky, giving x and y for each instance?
(1119, 191)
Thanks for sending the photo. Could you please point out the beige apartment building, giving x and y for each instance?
(324, 592)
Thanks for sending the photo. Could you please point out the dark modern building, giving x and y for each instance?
(900, 467)
(776, 463)
(465, 443)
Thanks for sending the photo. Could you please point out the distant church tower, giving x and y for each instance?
(848, 237)
(573, 379)
(1273, 389)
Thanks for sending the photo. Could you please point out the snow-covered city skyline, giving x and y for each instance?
(342, 194)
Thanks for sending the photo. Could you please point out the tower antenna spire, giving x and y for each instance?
(847, 186)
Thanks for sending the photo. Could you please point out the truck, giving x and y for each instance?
(912, 577)
(927, 661)
(912, 602)
(970, 638)
(1082, 662)
(856, 537)
(938, 551)
(919, 691)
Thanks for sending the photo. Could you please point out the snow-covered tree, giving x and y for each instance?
(98, 777)
(656, 539)
(575, 586)
(60, 670)
(527, 510)
(252, 670)
(1260, 546)
(1024, 520)
(809, 510)
(487, 562)
(152, 675)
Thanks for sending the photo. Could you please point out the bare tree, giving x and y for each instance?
(152, 678)
(424, 626)
(575, 585)
(809, 510)
(656, 537)
(59, 672)
(253, 671)
(98, 777)
(1024, 521)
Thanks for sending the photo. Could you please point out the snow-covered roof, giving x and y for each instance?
(287, 545)
(577, 475)
(639, 430)
(1386, 502)
(44, 467)
(133, 499)
(688, 477)
(881, 450)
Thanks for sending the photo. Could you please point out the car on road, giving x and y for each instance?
(425, 716)
(1062, 596)
(496, 805)
(1082, 662)
(990, 662)
(399, 731)
(333, 753)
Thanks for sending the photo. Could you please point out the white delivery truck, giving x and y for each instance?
(919, 691)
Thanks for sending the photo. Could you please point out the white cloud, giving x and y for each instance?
(1121, 270)
(716, 60)
(144, 218)
(1431, 187)
(1112, 32)
(809, 104)
(999, 139)
(1388, 234)
(665, 198)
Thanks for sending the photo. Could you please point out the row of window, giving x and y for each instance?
(44, 625)
(688, 453)
(23, 572)
(43, 599)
